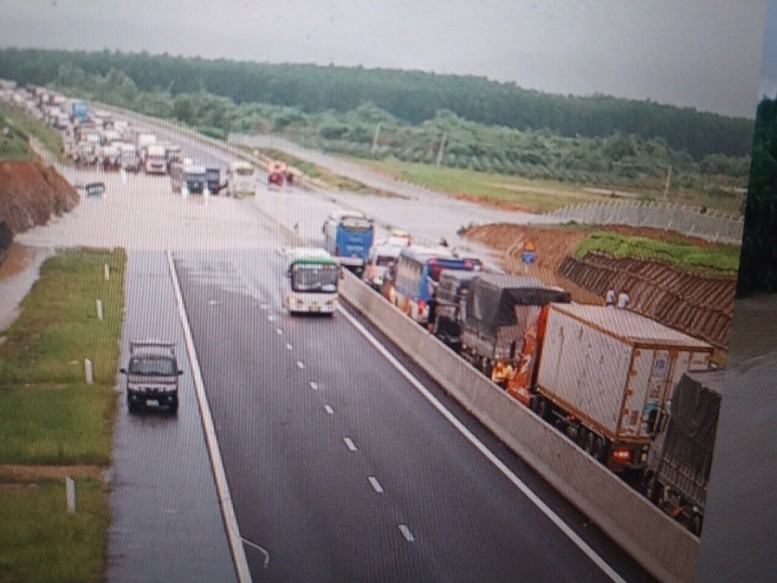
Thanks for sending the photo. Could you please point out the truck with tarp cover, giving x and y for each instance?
(680, 459)
(497, 310)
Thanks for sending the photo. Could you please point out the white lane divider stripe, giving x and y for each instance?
(279, 332)
(507, 472)
(300, 364)
(288, 346)
(329, 410)
(406, 533)
(217, 464)
(375, 484)
(349, 443)
(313, 385)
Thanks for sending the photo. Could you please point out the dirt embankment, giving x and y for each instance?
(31, 193)
(699, 306)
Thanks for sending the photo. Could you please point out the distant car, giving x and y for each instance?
(94, 189)
(152, 375)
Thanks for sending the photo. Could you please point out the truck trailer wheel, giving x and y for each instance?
(653, 489)
(696, 521)
(544, 409)
(601, 449)
(133, 404)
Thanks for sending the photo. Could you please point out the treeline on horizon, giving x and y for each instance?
(410, 96)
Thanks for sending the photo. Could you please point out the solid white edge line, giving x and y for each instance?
(533, 498)
(217, 464)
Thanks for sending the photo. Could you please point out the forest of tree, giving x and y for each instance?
(412, 97)
(758, 261)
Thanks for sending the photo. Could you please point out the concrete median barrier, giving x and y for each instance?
(661, 545)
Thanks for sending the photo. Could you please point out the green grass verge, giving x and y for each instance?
(719, 259)
(314, 171)
(48, 136)
(40, 541)
(43, 398)
(50, 416)
(531, 195)
(13, 143)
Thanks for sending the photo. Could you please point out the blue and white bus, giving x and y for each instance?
(348, 236)
(311, 281)
(417, 274)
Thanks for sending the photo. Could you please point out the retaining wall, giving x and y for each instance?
(710, 225)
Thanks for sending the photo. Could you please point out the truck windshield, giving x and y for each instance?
(151, 365)
(314, 277)
(355, 224)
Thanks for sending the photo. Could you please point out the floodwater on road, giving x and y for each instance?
(18, 273)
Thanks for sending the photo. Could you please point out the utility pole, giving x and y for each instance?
(442, 146)
(668, 182)
(375, 139)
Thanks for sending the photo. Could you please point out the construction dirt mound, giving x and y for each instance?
(30, 194)
(699, 306)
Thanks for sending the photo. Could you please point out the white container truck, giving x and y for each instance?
(155, 160)
(604, 374)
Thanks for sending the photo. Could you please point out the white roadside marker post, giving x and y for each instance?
(70, 494)
(88, 371)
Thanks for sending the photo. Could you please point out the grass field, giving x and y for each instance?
(535, 196)
(48, 136)
(49, 416)
(42, 542)
(708, 260)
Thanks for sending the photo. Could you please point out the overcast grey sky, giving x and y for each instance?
(699, 53)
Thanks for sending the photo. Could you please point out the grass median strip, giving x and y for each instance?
(51, 418)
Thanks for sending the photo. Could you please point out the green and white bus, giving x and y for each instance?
(311, 281)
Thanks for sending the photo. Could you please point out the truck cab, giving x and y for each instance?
(152, 375)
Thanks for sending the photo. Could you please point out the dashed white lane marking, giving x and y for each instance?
(406, 533)
(329, 410)
(501, 466)
(300, 364)
(349, 443)
(313, 385)
(375, 484)
(264, 307)
(279, 332)
(215, 303)
(260, 549)
(288, 346)
(271, 318)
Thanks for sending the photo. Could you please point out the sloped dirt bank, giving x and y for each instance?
(30, 194)
(699, 306)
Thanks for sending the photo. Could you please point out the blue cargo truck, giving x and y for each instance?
(348, 236)
(78, 111)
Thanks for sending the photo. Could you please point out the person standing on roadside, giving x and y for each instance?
(623, 300)
(609, 299)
